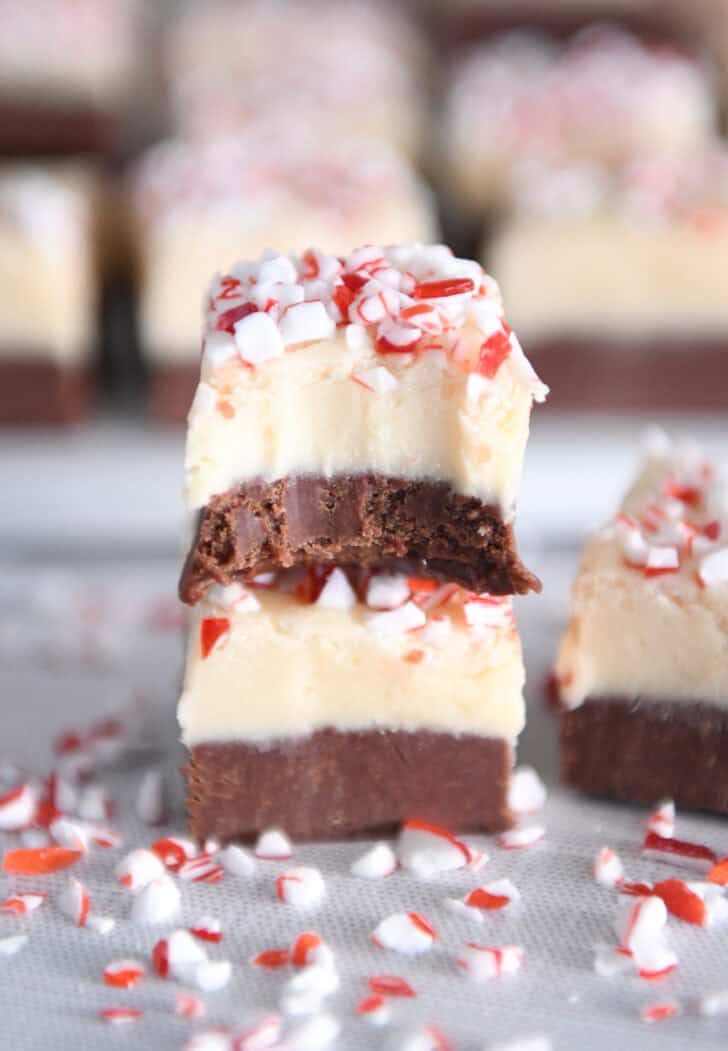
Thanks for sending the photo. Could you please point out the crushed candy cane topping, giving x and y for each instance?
(396, 300)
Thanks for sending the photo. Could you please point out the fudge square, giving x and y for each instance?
(334, 702)
(358, 410)
(643, 668)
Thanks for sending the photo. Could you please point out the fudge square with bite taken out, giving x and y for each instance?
(353, 458)
(643, 668)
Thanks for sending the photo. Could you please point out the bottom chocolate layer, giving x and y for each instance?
(641, 751)
(363, 520)
(39, 392)
(644, 374)
(334, 785)
(171, 390)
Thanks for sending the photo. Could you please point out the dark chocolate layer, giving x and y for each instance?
(336, 785)
(40, 129)
(642, 750)
(40, 392)
(359, 519)
(638, 374)
(171, 390)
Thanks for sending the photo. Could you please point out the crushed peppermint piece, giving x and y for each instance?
(405, 932)
(302, 886)
(607, 868)
(394, 622)
(156, 902)
(526, 792)
(521, 837)
(669, 849)
(189, 1006)
(260, 1035)
(120, 1015)
(17, 808)
(713, 1004)
(138, 869)
(337, 592)
(304, 949)
(662, 819)
(39, 861)
(659, 1012)
(124, 974)
(201, 869)
(374, 1009)
(493, 896)
(390, 985)
(73, 902)
(378, 862)
(483, 962)
(12, 944)
(237, 861)
(207, 929)
(273, 845)
(428, 850)
(272, 959)
(173, 851)
(23, 904)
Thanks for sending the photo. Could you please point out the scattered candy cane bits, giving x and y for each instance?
(659, 1012)
(377, 863)
(375, 1009)
(201, 869)
(681, 901)
(607, 868)
(483, 962)
(74, 902)
(303, 950)
(662, 819)
(173, 851)
(405, 932)
(302, 886)
(189, 1006)
(207, 929)
(120, 1015)
(273, 845)
(272, 959)
(39, 861)
(521, 838)
(17, 808)
(390, 985)
(138, 869)
(719, 873)
(427, 850)
(665, 848)
(124, 974)
(23, 904)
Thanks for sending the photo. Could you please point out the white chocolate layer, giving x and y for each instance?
(47, 283)
(336, 403)
(289, 669)
(635, 632)
(236, 198)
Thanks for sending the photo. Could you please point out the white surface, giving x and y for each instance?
(56, 673)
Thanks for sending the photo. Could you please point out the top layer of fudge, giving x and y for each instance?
(353, 69)
(650, 602)
(355, 410)
(573, 254)
(603, 95)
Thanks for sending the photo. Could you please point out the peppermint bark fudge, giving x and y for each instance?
(47, 293)
(602, 95)
(237, 196)
(643, 668)
(337, 702)
(616, 277)
(354, 410)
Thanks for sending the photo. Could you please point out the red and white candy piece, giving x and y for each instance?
(258, 338)
(73, 901)
(273, 845)
(662, 819)
(391, 985)
(17, 808)
(713, 570)
(302, 886)
(173, 851)
(94, 803)
(337, 592)
(305, 949)
(487, 612)
(189, 1006)
(521, 838)
(214, 633)
(207, 929)
(659, 1012)
(427, 850)
(526, 792)
(405, 932)
(483, 962)
(259, 1036)
(387, 591)
(76, 835)
(678, 851)
(201, 869)
(156, 903)
(304, 322)
(232, 597)
(23, 904)
(377, 863)
(378, 380)
(236, 861)
(374, 1009)
(138, 869)
(607, 868)
(124, 974)
(120, 1015)
(394, 622)
(150, 805)
(492, 897)
(272, 959)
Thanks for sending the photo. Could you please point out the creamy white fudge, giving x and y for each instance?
(603, 95)
(47, 265)
(650, 602)
(642, 249)
(285, 660)
(396, 361)
(237, 197)
(341, 69)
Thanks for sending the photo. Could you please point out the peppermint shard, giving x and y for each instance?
(642, 670)
(353, 459)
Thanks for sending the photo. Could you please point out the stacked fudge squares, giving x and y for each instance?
(353, 460)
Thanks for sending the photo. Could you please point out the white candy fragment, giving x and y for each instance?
(205, 400)
(357, 337)
(521, 838)
(337, 592)
(716, 905)
(484, 612)
(483, 962)
(713, 569)
(12, 944)
(376, 863)
(17, 808)
(395, 622)
(258, 338)
(22, 904)
(640, 929)
(73, 902)
(610, 961)
(100, 924)
(220, 347)
(314, 1034)
(378, 380)
(213, 1040)
(273, 845)
(425, 1039)
(156, 903)
(71, 834)
(387, 591)
(306, 991)
(713, 1004)
(302, 886)
(279, 269)
(663, 558)
(210, 975)
(150, 806)
(607, 868)
(94, 803)
(237, 861)
(233, 597)
(405, 932)
(303, 322)
(138, 869)
(526, 792)
(537, 1042)
(184, 952)
(427, 850)
(662, 819)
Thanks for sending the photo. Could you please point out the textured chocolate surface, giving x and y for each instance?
(641, 750)
(335, 785)
(644, 374)
(171, 390)
(38, 392)
(360, 519)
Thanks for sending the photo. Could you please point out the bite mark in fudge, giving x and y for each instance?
(423, 528)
